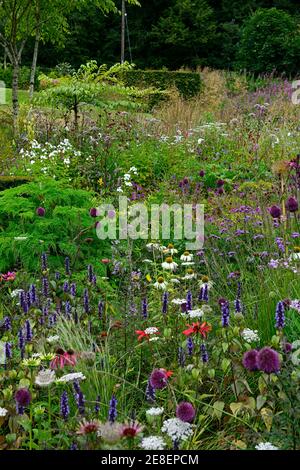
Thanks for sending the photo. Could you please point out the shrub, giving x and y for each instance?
(270, 42)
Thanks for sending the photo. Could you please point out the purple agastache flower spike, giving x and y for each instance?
(86, 303)
(225, 314)
(97, 404)
(68, 309)
(44, 262)
(81, 403)
(204, 353)
(21, 342)
(67, 266)
(165, 298)
(66, 287)
(203, 296)
(189, 301)
(112, 413)
(190, 346)
(150, 393)
(23, 301)
(7, 323)
(280, 316)
(238, 305)
(73, 289)
(45, 287)
(181, 357)
(94, 279)
(64, 406)
(90, 273)
(32, 294)
(57, 276)
(100, 309)
(144, 308)
(239, 290)
(8, 350)
(28, 331)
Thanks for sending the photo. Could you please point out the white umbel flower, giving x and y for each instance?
(178, 301)
(52, 339)
(196, 313)
(45, 378)
(155, 411)
(177, 430)
(265, 446)
(153, 443)
(71, 377)
(250, 336)
(152, 330)
(169, 264)
(186, 256)
(3, 412)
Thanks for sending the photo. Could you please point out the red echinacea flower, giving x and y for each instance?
(196, 328)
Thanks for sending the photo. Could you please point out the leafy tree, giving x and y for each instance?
(270, 42)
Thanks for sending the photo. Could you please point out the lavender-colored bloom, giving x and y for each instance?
(94, 279)
(279, 316)
(40, 211)
(80, 402)
(45, 287)
(225, 314)
(250, 360)
(158, 379)
(150, 393)
(185, 411)
(145, 308)
(189, 301)
(23, 301)
(21, 342)
(190, 346)
(181, 357)
(204, 353)
(268, 360)
(67, 266)
(8, 350)
(28, 331)
(203, 295)
(44, 262)
(7, 324)
(57, 275)
(239, 291)
(112, 413)
(238, 305)
(64, 406)
(280, 244)
(74, 446)
(68, 309)
(165, 298)
(45, 311)
(86, 302)
(66, 287)
(90, 273)
(97, 404)
(73, 289)
(32, 294)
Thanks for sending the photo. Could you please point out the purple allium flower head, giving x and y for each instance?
(190, 346)
(67, 266)
(64, 406)
(279, 316)
(250, 360)
(185, 411)
(23, 399)
(28, 331)
(268, 360)
(165, 298)
(292, 204)
(86, 302)
(112, 413)
(189, 301)
(150, 393)
(40, 211)
(144, 308)
(275, 212)
(93, 212)
(204, 353)
(225, 314)
(286, 347)
(220, 183)
(158, 379)
(44, 262)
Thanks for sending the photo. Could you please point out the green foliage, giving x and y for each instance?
(24, 76)
(7, 182)
(61, 232)
(270, 42)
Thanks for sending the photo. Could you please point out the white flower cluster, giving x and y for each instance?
(52, 339)
(177, 430)
(3, 412)
(196, 313)
(45, 378)
(126, 180)
(151, 330)
(155, 411)
(250, 336)
(153, 443)
(71, 377)
(265, 446)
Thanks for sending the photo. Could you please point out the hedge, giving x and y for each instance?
(12, 181)
(187, 83)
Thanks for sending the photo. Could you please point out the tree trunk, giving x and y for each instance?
(15, 97)
(5, 59)
(33, 65)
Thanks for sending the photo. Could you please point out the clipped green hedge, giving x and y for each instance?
(13, 181)
(187, 83)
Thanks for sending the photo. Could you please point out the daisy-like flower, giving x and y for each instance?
(153, 246)
(190, 274)
(71, 377)
(186, 256)
(63, 358)
(170, 250)
(205, 280)
(152, 330)
(155, 411)
(3, 412)
(195, 328)
(153, 443)
(177, 429)
(88, 427)
(169, 264)
(160, 283)
(45, 378)
(250, 336)
(266, 446)
(131, 429)
(196, 313)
